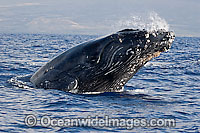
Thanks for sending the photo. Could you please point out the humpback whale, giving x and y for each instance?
(105, 64)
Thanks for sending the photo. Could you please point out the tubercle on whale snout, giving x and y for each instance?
(167, 40)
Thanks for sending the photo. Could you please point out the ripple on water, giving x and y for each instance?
(167, 87)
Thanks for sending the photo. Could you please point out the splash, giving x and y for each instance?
(152, 21)
(22, 81)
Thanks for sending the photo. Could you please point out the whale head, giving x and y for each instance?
(105, 64)
(116, 58)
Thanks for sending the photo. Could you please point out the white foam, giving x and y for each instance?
(153, 63)
(19, 82)
(150, 21)
(137, 91)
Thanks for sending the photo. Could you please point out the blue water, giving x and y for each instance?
(166, 87)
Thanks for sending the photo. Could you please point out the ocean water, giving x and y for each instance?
(167, 87)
